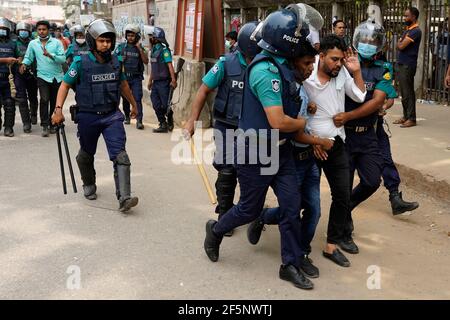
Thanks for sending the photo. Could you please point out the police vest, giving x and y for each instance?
(371, 76)
(98, 88)
(253, 115)
(7, 50)
(22, 45)
(160, 70)
(80, 50)
(228, 102)
(132, 61)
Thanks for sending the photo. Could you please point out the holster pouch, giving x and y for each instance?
(73, 113)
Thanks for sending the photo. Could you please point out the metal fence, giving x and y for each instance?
(436, 58)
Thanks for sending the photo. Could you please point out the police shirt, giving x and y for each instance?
(385, 84)
(265, 81)
(216, 74)
(166, 56)
(74, 72)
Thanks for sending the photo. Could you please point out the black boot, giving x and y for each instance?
(33, 119)
(126, 201)
(399, 206)
(116, 182)
(162, 128)
(27, 127)
(170, 124)
(225, 186)
(255, 229)
(139, 125)
(9, 132)
(25, 115)
(45, 132)
(85, 163)
(127, 119)
(212, 242)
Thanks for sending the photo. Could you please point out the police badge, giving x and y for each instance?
(275, 85)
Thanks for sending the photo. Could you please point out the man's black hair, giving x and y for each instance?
(43, 23)
(332, 41)
(338, 21)
(232, 35)
(414, 11)
(307, 49)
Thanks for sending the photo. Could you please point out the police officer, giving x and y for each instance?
(78, 46)
(360, 119)
(26, 83)
(8, 56)
(162, 77)
(228, 76)
(269, 116)
(100, 80)
(135, 57)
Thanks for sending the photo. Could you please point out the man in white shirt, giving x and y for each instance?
(327, 87)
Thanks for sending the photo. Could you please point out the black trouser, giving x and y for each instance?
(337, 172)
(26, 86)
(405, 78)
(47, 92)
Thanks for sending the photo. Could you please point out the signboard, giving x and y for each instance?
(189, 28)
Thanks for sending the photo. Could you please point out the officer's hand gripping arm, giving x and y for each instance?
(279, 120)
(369, 107)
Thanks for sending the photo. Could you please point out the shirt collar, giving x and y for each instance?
(279, 59)
(415, 25)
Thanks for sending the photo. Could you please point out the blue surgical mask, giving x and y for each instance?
(367, 51)
(227, 44)
(24, 34)
(3, 33)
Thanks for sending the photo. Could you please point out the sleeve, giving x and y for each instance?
(16, 51)
(29, 55)
(215, 75)
(118, 50)
(352, 90)
(386, 86)
(414, 35)
(266, 85)
(167, 56)
(69, 51)
(73, 73)
(59, 56)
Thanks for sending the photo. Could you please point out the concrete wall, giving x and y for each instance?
(131, 12)
(166, 18)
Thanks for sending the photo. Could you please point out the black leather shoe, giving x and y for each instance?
(139, 125)
(229, 233)
(348, 245)
(254, 230)
(400, 206)
(212, 242)
(127, 120)
(337, 257)
(27, 128)
(44, 132)
(8, 132)
(162, 128)
(33, 119)
(308, 268)
(291, 274)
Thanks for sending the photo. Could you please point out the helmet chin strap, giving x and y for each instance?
(106, 56)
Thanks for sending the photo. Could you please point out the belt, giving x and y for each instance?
(303, 153)
(358, 129)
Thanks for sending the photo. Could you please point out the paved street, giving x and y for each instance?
(156, 252)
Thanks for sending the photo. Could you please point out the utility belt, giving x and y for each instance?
(74, 110)
(359, 129)
(303, 153)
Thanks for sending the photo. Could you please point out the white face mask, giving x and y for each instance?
(80, 41)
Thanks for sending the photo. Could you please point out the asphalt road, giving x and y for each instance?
(55, 246)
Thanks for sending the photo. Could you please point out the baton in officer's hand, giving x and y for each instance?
(60, 129)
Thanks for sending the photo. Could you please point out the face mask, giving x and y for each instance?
(3, 33)
(44, 38)
(24, 34)
(228, 44)
(366, 50)
(80, 41)
(407, 23)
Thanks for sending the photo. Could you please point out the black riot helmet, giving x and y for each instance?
(97, 28)
(248, 39)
